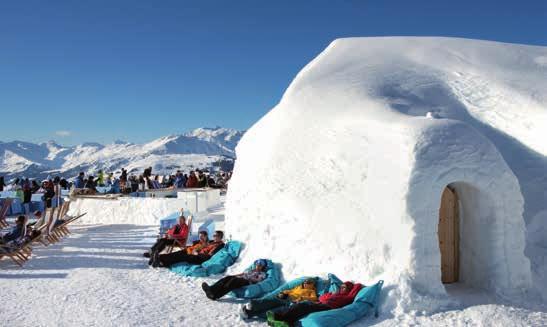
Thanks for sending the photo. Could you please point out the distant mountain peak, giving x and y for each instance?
(202, 147)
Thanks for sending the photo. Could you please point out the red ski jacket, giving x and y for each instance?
(178, 231)
(338, 300)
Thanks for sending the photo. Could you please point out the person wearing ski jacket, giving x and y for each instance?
(192, 180)
(15, 232)
(178, 181)
(343, 297)
(306, 292)
(100, 179)
(328, 301)
(300, 293)
(79, 182)
(195, 258)
(178, 232)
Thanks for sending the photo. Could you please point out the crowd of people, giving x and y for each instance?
(122, 182)
(126, 183)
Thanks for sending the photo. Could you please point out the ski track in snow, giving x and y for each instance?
(98, 277)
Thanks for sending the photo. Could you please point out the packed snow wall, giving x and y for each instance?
(346, 173)
(137, 211)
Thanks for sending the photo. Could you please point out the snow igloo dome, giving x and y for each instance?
(378, 163)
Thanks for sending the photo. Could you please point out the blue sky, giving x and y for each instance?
(138, 70)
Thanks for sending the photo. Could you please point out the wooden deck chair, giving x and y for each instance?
(40, 238)
(61, 215)
(50, 236)
(62, 229)
(18, 253)
(65, 217)
(181, 242)
(41, 225)
(13, 254)
(4, 211)
(70, 220)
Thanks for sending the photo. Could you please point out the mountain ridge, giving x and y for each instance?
(202, 147)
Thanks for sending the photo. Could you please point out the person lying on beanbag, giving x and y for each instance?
(328, 301)
(230, 283)
(307, 291)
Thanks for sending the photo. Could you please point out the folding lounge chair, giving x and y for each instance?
(181, 242)
(63, 226)
(4, 211)
(61, 229)
(40, 238)
(61, 213)
(13, 253)
(18, 253)
(50, 236)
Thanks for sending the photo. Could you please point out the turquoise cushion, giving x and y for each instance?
(216, 265)
(366, 299)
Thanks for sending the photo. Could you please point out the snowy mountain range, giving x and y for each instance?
(199, 148)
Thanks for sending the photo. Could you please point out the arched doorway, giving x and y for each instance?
(449, 236)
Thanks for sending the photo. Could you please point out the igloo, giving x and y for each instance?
(374, 165)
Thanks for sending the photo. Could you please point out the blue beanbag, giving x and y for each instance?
(253, 291)
(366, 299)
(331, 284)
(216, 265)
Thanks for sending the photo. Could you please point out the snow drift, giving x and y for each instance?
(345, 174)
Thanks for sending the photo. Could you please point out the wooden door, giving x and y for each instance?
(449, 236)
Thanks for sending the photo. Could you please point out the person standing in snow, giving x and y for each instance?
(147, 172)
(49, 192)
(90, 184)
(123, 179)
(57, 190)
(202, 181)
(35, 187)
(192, 180)
(184, 180)
(27, 195)
(64, 184)
(80, 182)
(178, 180)
(2, 183)
(100, 178)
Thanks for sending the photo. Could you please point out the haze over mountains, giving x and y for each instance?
(202, 147)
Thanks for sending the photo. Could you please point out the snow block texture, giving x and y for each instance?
(366, 300)
(271, 282)
(216, 265)
(346, 173)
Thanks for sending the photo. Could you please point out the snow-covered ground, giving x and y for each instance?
(98, 277)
